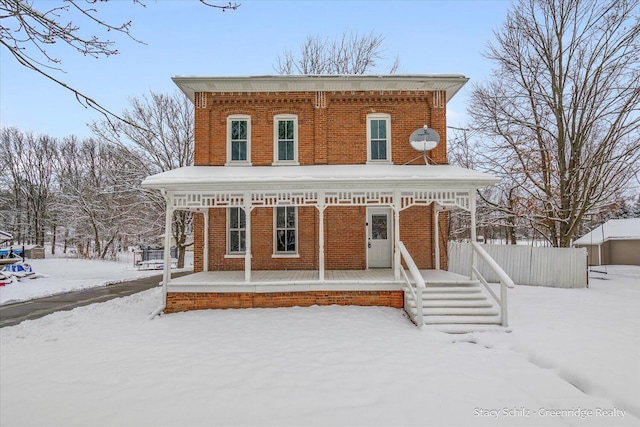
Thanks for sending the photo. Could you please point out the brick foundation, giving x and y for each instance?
(185, 301)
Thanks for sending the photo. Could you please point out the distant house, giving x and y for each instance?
(616, 242)
(309, 190)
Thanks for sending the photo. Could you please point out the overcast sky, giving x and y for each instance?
(187, 38)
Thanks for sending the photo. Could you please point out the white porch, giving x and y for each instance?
(303, 280)
(394, 187)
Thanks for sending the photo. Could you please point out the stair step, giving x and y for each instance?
(452, 289)
(454, 297)
(466, 329)
(460, 311)
(467, 283)
(456, 311)
(456, 320)
(452, 303)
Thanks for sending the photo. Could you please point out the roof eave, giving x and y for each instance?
(450, 83)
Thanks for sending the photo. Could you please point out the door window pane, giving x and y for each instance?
(379, 227)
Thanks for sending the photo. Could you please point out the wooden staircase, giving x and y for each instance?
(459, 306)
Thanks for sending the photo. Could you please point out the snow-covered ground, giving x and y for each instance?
(572, 358)
(69, 274)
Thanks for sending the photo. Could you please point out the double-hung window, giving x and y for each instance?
(285, 137)
(239, 139)
(379, 138)
(236, 231)
(286, 225)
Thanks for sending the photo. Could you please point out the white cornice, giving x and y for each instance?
(450, 83)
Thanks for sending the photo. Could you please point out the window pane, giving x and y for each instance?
(242, 219)
(379, 227)
(233, 218)
(280, 242)
(239, 129)
(238, 150)
(281, 218)
(243, 246)
(291, 240)
(233, 241)
(289, 134)
(291, 217)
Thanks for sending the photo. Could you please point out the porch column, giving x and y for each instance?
(247, 253)
(321, 207)
(436, 240)
(397, 262)
(472, 209)
(166, 272)
(205, 249)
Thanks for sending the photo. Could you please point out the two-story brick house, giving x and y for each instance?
(307, 190)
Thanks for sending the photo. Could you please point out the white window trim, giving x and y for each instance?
(230, 254)
(277, 254)
(238, 162)
(379, 116)
(276, 119)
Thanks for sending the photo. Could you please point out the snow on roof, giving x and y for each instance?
(450, 83)
(614, 229)
(318, 176)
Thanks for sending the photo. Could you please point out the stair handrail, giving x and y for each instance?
(505, 280)
(417, 278)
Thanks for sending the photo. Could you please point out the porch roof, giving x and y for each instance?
(329, 177)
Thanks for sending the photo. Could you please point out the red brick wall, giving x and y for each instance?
(184, 301)
(335, 134)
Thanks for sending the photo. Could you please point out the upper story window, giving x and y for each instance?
(285, 137)
(239, 139)
(379, 138)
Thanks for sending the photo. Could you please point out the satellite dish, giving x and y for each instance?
(424, 139)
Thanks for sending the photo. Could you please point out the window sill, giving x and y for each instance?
(238, 164)
(379, 162)
(285, 256)
(234, 256)
(289, 163)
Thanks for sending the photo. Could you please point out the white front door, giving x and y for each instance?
(379, 238)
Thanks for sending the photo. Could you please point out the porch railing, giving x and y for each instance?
(416, 291)
(505, 280)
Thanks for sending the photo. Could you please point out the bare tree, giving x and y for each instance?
(98, 204)
(350, 54)
(29, 163)
(158, 133)
(28, 32)
(560, 112)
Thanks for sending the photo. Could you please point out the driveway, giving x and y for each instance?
(12, 314)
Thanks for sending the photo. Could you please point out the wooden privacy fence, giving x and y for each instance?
(526, 265)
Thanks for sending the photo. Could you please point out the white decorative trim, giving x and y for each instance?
(321, 99)
(447, 198)
(450, 199)
(362, 198)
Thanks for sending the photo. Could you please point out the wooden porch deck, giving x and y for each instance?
(303, 280)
